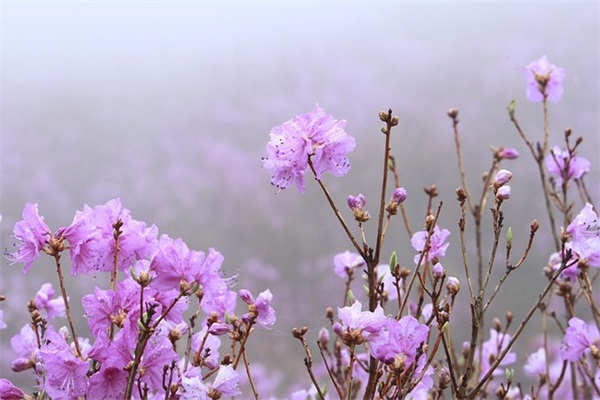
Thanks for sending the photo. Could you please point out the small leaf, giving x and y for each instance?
(393, 261)
(511, 109)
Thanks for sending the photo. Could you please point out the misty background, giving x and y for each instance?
(169, 106)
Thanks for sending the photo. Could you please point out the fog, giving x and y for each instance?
(169, 106)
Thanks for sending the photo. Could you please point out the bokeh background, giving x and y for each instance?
(168, 105)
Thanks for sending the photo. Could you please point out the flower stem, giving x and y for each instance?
(66, 300)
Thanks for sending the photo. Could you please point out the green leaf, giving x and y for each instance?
(511, 108)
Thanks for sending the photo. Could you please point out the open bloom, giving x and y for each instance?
(544, 78)
(585, 234)
(315, 135)
(92, 238)
(492, 348)
(345, 263)
(358, 326)
(437, 243)
(32, 234)
(400, 341)
(564, 166)
(578, 338)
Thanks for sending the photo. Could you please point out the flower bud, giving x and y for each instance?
(357, 205)
(246, 296)
(453, 113)
(503, 193)
(507, 153)
(323, 337)
(502, 178)
(398, 197)
(219, 329)
(438, 271)
(453, 285)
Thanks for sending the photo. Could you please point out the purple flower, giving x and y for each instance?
(423, 388)
(316, 135)
(399, 195)
(492, 348)
(536, 363)
(158, 353)
(578, 338)
(25, 345)
(109, 382)
(358, 326)
(585, 233)
(438, 271)
(503, 193)
(544, 78)
(193, 386)
(400, 341)
(32, 234)
(565, 166)
(210, 349)
(44, 301)
(357, 205)
(100, 308)
(502, 178)
(218, 329)
(507, 153)
(66, 375)
(173, 263)
(8, 391)
(226, 383)
(345, 263)
(266, 313)
(437, 243)
(384, 276)
(92, 238)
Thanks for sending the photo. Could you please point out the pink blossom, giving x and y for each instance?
(357, 326)
(492, 348)
(92, 238)
(565, 166)
(579, 337)
(345, 263)
(400, 339)
(544, 78)
(32, 235)
(437, 243)
(315, 135)
(44, 301)
(585, 235)
(266, 313)
(8, 391)
(66, 375)
(227, 382)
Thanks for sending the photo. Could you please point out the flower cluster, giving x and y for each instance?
(136, 322)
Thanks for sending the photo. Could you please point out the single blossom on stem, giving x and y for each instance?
(565, 166)
(316, 135)
(357, 326)
(437, 243)
(345, 263)
(585, 234)
(32, 234)
(399, 342)
(544, 78)
(579, 338)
